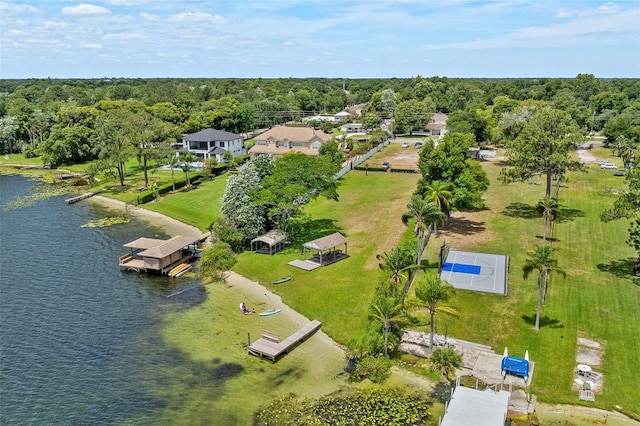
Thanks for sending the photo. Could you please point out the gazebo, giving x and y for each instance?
(270, 243)
(326, 250)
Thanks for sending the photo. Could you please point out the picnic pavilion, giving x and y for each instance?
(270, 243)
(325, 251)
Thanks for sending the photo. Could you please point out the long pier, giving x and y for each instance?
(269, 346)
(82, 197)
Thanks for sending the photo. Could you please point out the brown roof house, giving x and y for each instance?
(438, 124)
(280, 140)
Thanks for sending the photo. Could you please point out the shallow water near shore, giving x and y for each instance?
(84, 343)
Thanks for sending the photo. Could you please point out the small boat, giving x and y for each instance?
(282, 280)
(182, 268)
(270, 312)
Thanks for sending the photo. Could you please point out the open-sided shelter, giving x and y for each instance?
(327, 249)
(270, 243)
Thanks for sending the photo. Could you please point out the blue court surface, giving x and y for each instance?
(476, 271)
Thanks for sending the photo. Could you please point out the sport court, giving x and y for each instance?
(484, 272)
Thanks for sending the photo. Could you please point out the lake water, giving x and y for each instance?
(83, 343)
(78, 338)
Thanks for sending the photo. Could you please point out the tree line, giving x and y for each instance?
(45, 116)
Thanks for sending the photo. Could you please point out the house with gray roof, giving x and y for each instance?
(213, 143)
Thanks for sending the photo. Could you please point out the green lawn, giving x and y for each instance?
(198, 207)
(339, 295)
(599, 299)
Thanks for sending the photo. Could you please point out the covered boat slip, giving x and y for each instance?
(160, 256)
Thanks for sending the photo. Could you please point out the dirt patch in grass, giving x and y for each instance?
(588, 356)
(466, 229)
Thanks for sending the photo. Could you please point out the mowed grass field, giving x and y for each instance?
(339, 295)
(599, 299)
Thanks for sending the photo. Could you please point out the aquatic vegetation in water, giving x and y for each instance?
(39, 192)
(371, 407)
(106, 221)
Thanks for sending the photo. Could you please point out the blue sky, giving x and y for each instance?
(339, 38)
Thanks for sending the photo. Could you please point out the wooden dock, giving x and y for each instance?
(269, 346)
(82, 197)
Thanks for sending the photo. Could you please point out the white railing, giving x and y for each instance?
(356, 161)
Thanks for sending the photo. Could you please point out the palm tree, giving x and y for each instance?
(445, 360)
(541, 260)
(187, 158)
(427, 214)
(172, 161)
(396, 263)
(440, 193)
(548, 209)
(390, 311)
(431, 292)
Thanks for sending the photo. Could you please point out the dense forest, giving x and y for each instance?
(63, 121)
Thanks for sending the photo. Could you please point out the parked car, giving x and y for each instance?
(608, 166)
(618, 173)
(418, 145)
(385, 165)
(405, 145)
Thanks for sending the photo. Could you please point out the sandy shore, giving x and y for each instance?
(172, 226)
(258, 295)
(252, 292)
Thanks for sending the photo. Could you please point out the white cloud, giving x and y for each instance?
(91, 46)
(197, 17)
(575, 31)
(126, 36)
(84, 9)
(288, 43)
(606, 8)
(11, 9)
(148, 16)
(126, 2)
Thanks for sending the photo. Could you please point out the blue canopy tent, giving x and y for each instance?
(514, 365)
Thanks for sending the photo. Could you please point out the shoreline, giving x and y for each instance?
(250, 289)
(256, 293)
(159, 219)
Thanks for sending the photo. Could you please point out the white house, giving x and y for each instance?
(438, 124)
(336, 118)
(213, 143)
(351, 128)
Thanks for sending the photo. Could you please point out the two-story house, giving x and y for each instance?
(213, 143)
(280, 140)
(438, 124)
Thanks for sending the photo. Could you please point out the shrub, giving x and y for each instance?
(376, 369)
(445, 360)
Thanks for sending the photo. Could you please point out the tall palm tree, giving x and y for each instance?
(187, 158)
(541, 260)
(431, 292)
(390, 311)
(440, 193)
(548, 209)
(426, 214)
(172, 161)
(396, 263)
